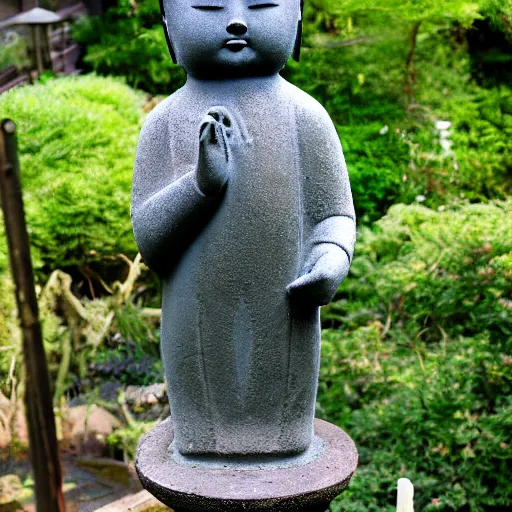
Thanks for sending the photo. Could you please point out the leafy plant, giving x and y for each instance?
(13, 50)
(428, 270)
(129, 42)
(386, 76)
(77, 139)
(356, 62)
(418, 368)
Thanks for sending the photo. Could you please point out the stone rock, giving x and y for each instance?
(139, 502)
(86, 428)
(152, 399)
(147, 403)
(142, 395)
(110, 470)
(10, 489)
(109, 391)
(86, 420)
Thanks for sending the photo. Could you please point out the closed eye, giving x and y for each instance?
(263, 5)
(208, 7)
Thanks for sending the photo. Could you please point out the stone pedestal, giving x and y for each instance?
(307, 483)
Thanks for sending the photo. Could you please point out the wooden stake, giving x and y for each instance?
(43, 446)
(38, 50)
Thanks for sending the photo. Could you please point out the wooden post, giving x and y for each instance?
(43, 446)
(37, 48)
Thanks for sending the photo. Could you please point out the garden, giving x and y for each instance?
(417, 345)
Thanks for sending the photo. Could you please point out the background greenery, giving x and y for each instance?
(417, 347)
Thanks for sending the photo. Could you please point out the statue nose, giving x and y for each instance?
(237, 27)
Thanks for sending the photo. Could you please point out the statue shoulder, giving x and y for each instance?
(308, 110)
(153, 156)
(156, 125)
(314, 125)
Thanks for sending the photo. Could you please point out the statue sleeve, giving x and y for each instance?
(168, 210)
(329, 215)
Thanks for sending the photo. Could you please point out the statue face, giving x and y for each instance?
(232, 38)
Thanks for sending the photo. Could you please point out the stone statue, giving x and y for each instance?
(241, 203)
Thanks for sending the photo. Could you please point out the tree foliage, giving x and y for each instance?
(418, 366)
(129, 42)
(77, 139)
(386, 73)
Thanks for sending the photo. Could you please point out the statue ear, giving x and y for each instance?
(168, 39)
(166, 32)
(298, 38)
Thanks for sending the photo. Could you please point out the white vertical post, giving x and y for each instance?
(405, 496)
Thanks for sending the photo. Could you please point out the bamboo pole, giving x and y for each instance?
(43, 446)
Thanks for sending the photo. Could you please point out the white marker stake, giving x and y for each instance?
(404, 499)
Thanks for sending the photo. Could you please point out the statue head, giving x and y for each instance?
(232, 38)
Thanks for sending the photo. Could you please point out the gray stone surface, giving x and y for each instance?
(241, 202)
(315, 450)
(200, 488)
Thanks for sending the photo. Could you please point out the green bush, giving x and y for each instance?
(393, 148)
(478, 164)
(13, 50)
(129, 42)
(365, 109)
(418, 368)
(428, 270)
(440, 415)
(77, 139)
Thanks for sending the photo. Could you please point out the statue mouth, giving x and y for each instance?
(236, 45)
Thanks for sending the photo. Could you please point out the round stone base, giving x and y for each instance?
(201, 488)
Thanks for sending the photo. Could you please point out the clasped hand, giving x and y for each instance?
(219, 133)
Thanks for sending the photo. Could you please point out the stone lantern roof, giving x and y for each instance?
(36, 16)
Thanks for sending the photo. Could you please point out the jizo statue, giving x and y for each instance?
(242, 204)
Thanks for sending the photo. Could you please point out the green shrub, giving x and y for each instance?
(388, 133)
(478, 165)
(366, 104)
(127, 438)
(419, 369)
(390, 140)
(440, 415)
(129, 42)
(77, 139)
(428, 270)
(13, 50)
